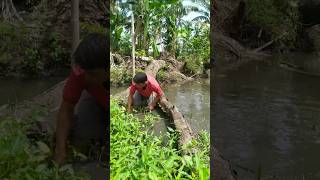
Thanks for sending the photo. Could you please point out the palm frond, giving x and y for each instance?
(201, 18)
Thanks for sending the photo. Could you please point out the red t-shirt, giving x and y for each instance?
(152, 86)
(76, 84)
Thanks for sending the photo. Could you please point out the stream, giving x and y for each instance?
(15, 90)
(267, 116)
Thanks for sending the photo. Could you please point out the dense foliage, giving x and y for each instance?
(195, 46)
(160, 27)
(273, 18)
(136, 153)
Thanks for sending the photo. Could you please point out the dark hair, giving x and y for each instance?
(92, 52)
(140, 77)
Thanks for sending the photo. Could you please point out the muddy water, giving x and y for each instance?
(12, 91)
(193, 101)
(268, 116)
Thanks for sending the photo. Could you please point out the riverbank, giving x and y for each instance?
(246, 30)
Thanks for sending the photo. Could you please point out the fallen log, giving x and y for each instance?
(181, 125)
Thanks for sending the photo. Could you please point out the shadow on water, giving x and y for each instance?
(269, 115)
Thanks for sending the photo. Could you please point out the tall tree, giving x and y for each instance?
(75, 24)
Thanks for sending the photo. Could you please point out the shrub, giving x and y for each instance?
(58, 53)
(275, 17)
(162, 74)
(119, 75)
(92, 28)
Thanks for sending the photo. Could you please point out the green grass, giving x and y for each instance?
(137, 154)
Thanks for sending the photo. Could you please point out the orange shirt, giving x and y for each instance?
(152, 86)
(76, 84)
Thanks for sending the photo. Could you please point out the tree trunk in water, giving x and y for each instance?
(75, 24)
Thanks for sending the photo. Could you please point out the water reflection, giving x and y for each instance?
(265, 114)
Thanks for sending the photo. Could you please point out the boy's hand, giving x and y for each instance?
(151, 106)
(129, 109)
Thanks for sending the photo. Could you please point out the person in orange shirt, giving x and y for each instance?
(144, 91)
(84, 109)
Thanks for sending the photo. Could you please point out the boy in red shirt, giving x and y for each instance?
(85, 95)
(144, 91)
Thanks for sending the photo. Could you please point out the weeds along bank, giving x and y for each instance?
(136, 153)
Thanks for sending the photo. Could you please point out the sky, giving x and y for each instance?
(190, 15)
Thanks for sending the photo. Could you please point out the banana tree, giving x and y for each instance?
(175, 12)
(202, 8)
(119, 23)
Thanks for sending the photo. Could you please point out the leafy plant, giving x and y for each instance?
(93, 28)
(136, 153)
(32, 62)
(140, 53)
(162, 74)
(21, 158)
(119, 75)
(58, 53)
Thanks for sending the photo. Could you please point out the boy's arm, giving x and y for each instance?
(158, 90)
(154, 102)
(71, 95)
(130, 101)
(130, 97)
(64, 121)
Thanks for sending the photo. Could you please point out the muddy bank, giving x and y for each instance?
(172, 71)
